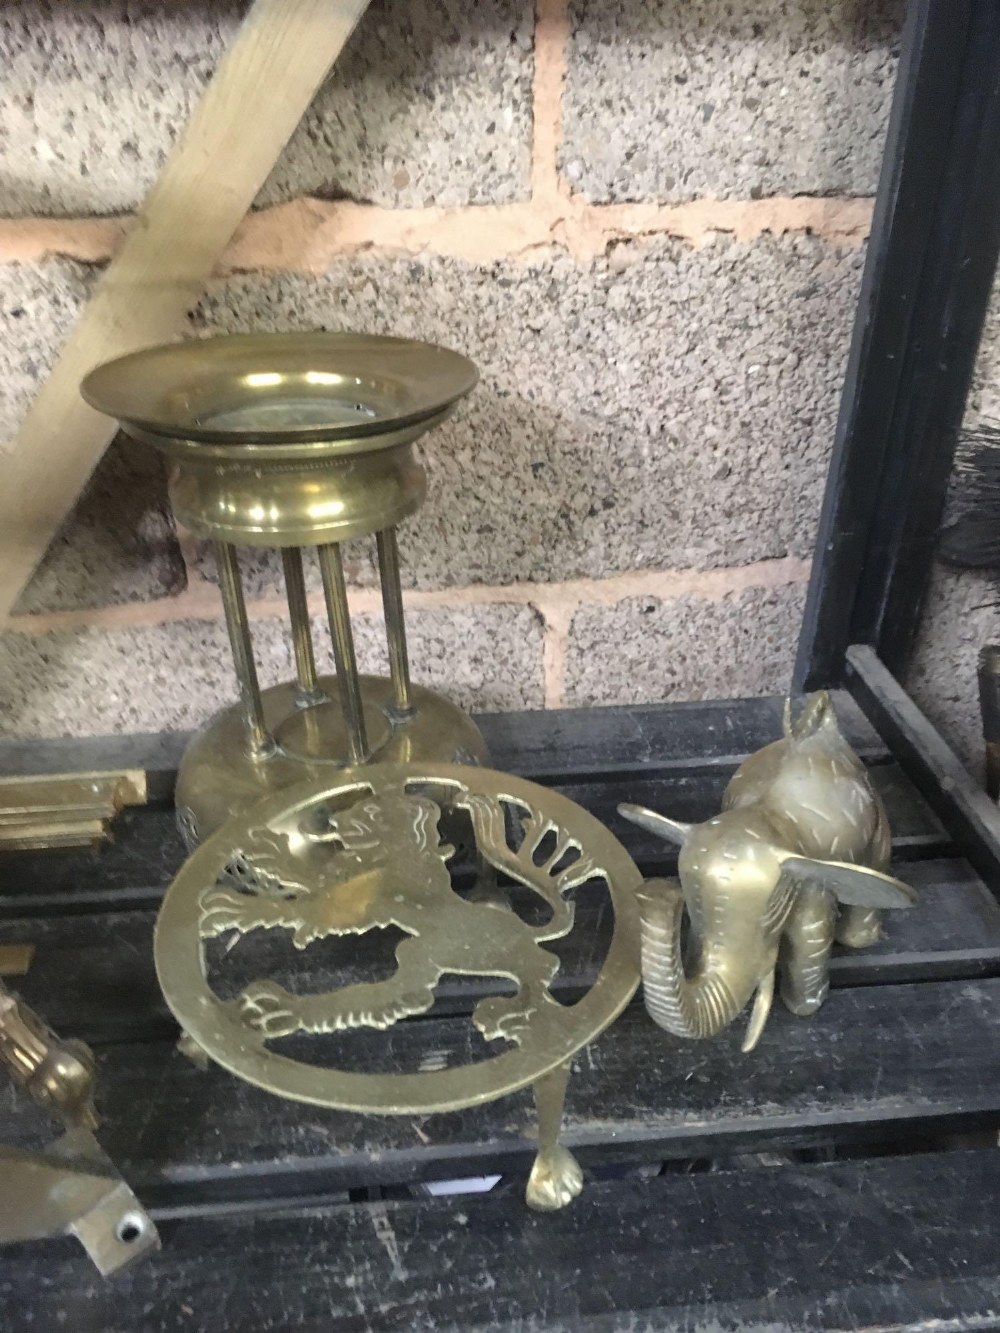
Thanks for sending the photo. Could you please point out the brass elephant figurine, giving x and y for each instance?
(801, 830)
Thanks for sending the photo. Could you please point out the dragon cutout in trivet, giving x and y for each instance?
(382, 862)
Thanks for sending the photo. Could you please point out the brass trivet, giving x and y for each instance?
(369, 849)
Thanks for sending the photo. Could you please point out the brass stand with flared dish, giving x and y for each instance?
(291, 441)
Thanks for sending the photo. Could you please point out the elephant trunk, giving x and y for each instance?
(694, 1007)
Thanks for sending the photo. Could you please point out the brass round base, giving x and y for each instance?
(219, 776)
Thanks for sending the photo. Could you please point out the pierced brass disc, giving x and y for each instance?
(371, 849)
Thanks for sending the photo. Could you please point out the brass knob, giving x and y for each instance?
(58, 1074)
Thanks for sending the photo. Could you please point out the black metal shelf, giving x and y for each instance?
(259, 1193)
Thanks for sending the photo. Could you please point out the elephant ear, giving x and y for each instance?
(670, 829)
(856, 886)
(780, 902)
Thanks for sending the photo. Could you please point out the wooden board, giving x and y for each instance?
(93, 974)
(904, 1056)
(259, 93)
(147, 852)
(901, 1243)
(876, 1063)
(553, 745)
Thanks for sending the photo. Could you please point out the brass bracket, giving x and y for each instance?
(64, 809)
(58, 1074)
(73, 1189)
(15, 959)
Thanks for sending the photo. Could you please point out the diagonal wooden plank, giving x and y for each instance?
(261, 90)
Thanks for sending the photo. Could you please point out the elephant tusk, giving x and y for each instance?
(672, 830)
(761, 1009)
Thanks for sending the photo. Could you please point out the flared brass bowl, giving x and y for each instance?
(286, 439)
(261, 389)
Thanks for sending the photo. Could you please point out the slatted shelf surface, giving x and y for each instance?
(904, 1242)
(875, 1058)
(904, 1056)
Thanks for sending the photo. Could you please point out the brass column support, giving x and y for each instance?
(395, 628)
(331, 566)
(308, 692)
(239, 639)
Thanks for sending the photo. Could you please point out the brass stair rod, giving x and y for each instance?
(395, 628)
(239, 639)
(298, 612)
(332, 568)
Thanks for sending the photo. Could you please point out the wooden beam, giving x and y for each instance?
(259, 93)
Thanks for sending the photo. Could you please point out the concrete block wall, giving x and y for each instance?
(643, 219)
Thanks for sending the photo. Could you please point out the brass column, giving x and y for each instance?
(294, 442)
(395, 629)
(239, 639)
(308, 692)
(332, 568)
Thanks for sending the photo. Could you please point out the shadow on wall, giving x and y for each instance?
(172, 676)
(119, 545)
(961, 615)
(97, 681)
(666, 406)
(803, 25)
(431, 101)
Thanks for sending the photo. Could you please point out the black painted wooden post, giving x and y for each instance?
(931, 259)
